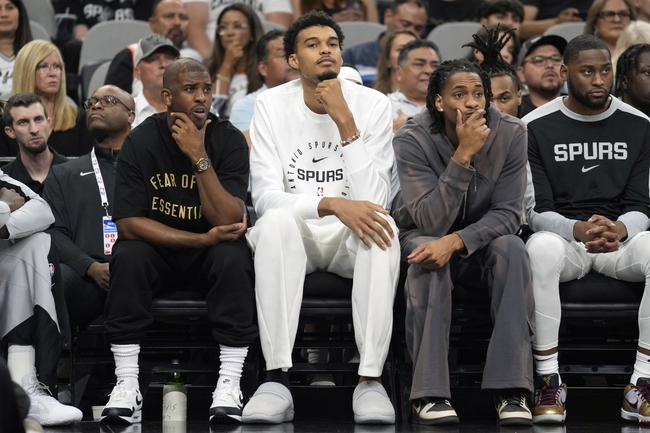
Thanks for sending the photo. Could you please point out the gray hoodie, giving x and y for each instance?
(440, 196)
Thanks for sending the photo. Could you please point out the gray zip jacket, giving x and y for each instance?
(440, 196)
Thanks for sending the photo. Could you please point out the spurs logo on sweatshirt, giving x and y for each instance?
(316, 168)
(594, 151)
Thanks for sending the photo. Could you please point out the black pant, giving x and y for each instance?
(85, 301)
(139, 270)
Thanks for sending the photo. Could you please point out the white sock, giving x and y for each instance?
(232, 364)
(641, 367)
(126, 363)
(20, 361)
(547, 364)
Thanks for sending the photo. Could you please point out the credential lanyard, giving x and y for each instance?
(109, 229)
(100, 181)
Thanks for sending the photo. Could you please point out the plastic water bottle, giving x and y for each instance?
(175, 397)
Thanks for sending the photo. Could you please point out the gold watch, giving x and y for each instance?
(202, 165)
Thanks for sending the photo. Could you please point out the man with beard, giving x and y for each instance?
(587, 202)
(79, 207)
(539, 69)
(30, 127)
(179, 209)
(169, 19)
(321, 176)
(633, 77)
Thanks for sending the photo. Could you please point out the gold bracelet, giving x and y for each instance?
(222, 78)
(352, 139)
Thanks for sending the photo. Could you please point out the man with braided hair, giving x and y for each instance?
(462, 168)
(506, 87)
(633, 77)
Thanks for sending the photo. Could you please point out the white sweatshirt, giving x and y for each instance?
(34, 216)
(297, 158)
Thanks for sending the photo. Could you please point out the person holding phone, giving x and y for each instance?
(462, 169)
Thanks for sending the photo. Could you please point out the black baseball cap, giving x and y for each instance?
(531, 44)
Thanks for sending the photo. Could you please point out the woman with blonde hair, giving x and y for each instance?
(638, 32)
(391, 44)
(608, 18)
(39, 69)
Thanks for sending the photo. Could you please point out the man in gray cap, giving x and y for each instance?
(151, 57)
(540, 59)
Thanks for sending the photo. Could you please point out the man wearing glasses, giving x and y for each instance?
(74, 194)
(540, 59)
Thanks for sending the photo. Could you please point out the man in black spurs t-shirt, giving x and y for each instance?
(179, 209)
(588, 202)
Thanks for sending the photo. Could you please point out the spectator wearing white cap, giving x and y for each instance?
(152, 55)
(351, 73)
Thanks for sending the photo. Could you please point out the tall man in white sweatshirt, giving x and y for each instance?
(320, 180)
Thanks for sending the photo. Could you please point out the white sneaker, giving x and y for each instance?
(322, 380)
(124, 406)
(45, 409)
(227, 404)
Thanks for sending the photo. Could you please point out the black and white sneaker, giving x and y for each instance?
(227, 405)
(124, 406)
(513, 410)
(429, 411)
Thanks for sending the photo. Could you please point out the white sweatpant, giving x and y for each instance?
(553, 260)
(286, 249)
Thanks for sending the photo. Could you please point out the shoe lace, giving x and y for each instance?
(644, 391)
(433, 402)
(548, 395)
(120, 393)
(225, 394)
(39, 388)
(515, 400)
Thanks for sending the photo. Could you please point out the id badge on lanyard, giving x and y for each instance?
(109, 229)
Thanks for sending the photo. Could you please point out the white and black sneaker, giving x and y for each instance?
(45, 409)
(227, 405)
(124, 405)
(430, 411)
(513, 410)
